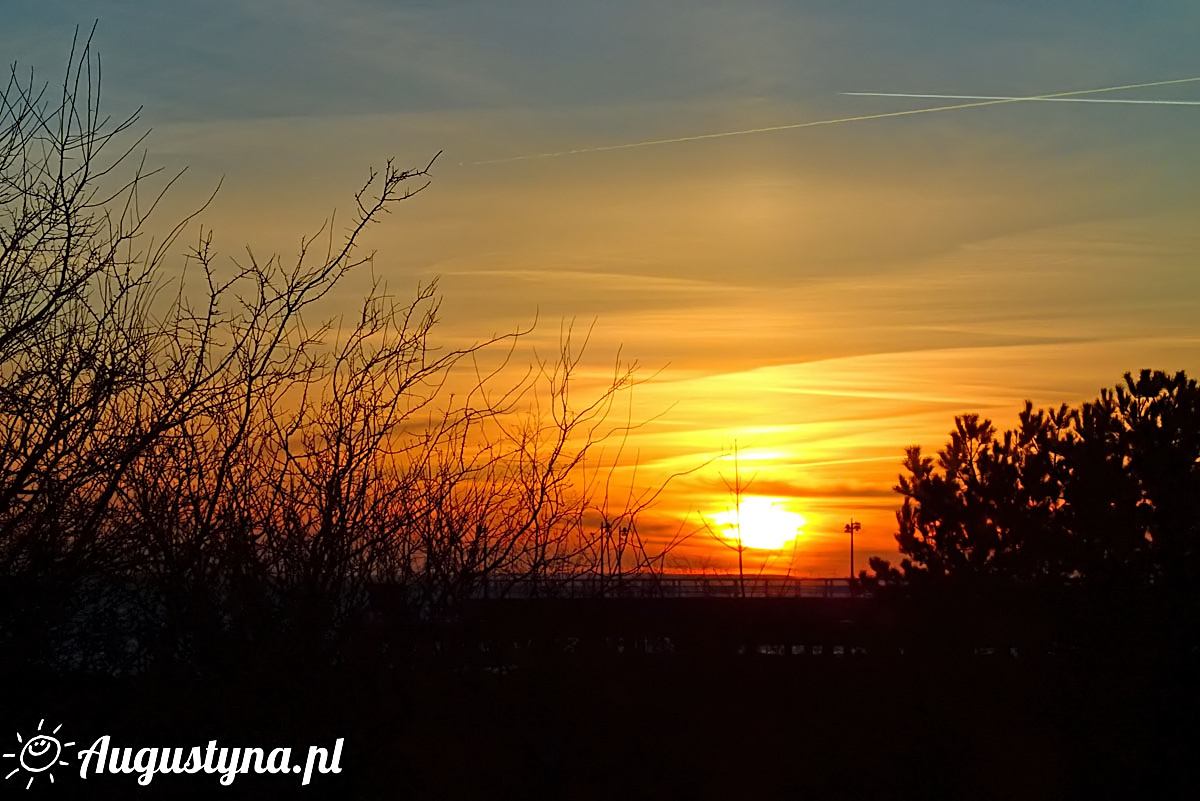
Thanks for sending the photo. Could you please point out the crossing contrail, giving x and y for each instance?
(1043, 99)
(814, 123)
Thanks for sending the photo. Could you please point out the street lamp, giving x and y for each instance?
(850, 528)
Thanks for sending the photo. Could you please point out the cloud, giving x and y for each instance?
(775, 488)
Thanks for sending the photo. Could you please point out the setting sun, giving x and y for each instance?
(759, 523)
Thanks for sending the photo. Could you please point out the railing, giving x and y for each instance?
(669, 586)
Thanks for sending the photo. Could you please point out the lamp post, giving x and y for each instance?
(850, 528)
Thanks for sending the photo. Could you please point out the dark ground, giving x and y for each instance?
(659, 726)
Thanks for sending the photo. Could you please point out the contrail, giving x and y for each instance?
(838, 121)
(1044, 99)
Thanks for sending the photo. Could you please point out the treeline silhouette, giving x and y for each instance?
(1083, 521)
(1104, 494)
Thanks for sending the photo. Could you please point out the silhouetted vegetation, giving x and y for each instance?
(198, 470)
(1080, 528)
(1104, 495)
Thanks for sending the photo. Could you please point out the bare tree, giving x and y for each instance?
(98, 375)
(197, 463)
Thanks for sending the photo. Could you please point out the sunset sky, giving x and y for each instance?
(821, 296)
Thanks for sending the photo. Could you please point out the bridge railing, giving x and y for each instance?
(656, 586)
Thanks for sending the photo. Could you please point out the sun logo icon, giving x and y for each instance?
(38, 754)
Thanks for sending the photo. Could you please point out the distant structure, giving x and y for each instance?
(850, 528)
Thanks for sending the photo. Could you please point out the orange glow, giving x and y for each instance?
(760, 523)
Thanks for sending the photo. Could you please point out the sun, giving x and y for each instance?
(760, 523)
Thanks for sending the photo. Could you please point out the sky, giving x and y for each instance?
(816, 297)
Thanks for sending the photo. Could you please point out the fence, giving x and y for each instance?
(664, 586)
